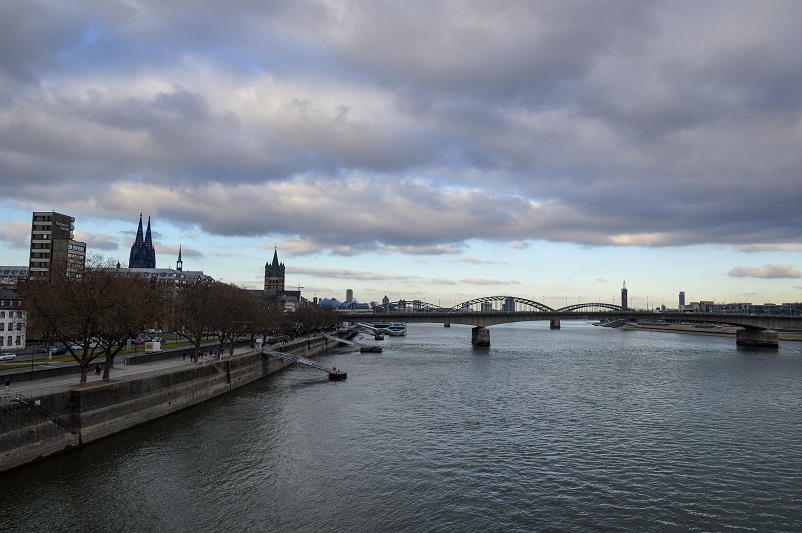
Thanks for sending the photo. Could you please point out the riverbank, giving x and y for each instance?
(58, 419)
(710, 330)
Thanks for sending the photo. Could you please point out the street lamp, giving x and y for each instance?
(31, 360)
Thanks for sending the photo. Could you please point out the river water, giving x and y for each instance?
(581, 429)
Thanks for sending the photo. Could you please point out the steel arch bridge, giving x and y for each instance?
(507, 303)
(590, 306)
(525, 304)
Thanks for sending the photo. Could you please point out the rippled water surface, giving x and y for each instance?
(581, 429)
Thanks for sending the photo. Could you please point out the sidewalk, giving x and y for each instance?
(120, 371)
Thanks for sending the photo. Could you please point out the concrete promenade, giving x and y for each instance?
(120, 371)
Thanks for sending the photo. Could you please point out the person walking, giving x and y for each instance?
(8, 385)
(97, 370)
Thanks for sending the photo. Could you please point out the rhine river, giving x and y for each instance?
(581, 429)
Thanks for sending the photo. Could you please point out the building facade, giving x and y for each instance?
(624, 297)
(53, 248)
(143, 255)
(12, 321)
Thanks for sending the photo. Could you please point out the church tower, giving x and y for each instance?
(143, 255)
(179, 265)
(274, 277)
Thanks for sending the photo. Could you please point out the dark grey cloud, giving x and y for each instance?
(618, 123)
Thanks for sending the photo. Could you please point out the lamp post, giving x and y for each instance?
(31, 360)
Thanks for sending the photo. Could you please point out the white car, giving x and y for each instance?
(8, 357)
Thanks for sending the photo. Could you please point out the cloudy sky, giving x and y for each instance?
(440, 150)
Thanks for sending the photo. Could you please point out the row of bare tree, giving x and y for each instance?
(95, 315)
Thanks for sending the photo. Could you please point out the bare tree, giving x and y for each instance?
(133, 304)
(234, 314)
(194, 312)
(80, 310)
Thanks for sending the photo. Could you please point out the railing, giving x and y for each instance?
(295, 359)
(36, 407)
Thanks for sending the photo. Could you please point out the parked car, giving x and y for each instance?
(7, 356)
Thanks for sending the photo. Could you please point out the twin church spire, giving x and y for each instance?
(143, 255)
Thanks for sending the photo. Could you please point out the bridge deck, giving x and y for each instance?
(491, 318)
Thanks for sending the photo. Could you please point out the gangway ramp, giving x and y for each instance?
(362, 347)
(334, 374)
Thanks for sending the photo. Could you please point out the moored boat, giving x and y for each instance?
(397, 329)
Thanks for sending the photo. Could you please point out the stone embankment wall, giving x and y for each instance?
(67, 420)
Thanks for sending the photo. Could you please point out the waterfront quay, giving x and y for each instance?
(53, 414)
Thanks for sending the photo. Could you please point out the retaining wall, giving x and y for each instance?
(99, 409)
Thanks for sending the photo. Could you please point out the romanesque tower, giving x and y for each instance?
(274, 277)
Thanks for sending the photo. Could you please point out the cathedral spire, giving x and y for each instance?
(143, 255)
(148, 240)
(139, 241)
(179, 265)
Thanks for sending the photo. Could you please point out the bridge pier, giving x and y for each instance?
(480, 336)
(554, 323)
(756, 337)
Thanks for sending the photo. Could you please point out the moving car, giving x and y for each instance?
(7, 356)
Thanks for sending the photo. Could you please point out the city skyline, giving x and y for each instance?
(439, 152)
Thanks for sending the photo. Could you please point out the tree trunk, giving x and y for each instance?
(107, 366)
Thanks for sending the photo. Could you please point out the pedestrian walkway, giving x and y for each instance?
(119, 371)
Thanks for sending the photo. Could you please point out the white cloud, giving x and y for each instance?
(751, 248)
(765, 272)
(16, 234)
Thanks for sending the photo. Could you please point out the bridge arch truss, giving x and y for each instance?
(590, 306)
(508, 303)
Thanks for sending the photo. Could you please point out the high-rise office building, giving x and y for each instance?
(53, 248)
(624, 296)
(681, 300)
(349, 295)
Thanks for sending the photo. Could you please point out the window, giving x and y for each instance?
(9, 340)
(2, 314)
(19, 327)
(19, 340)
(2, 326)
